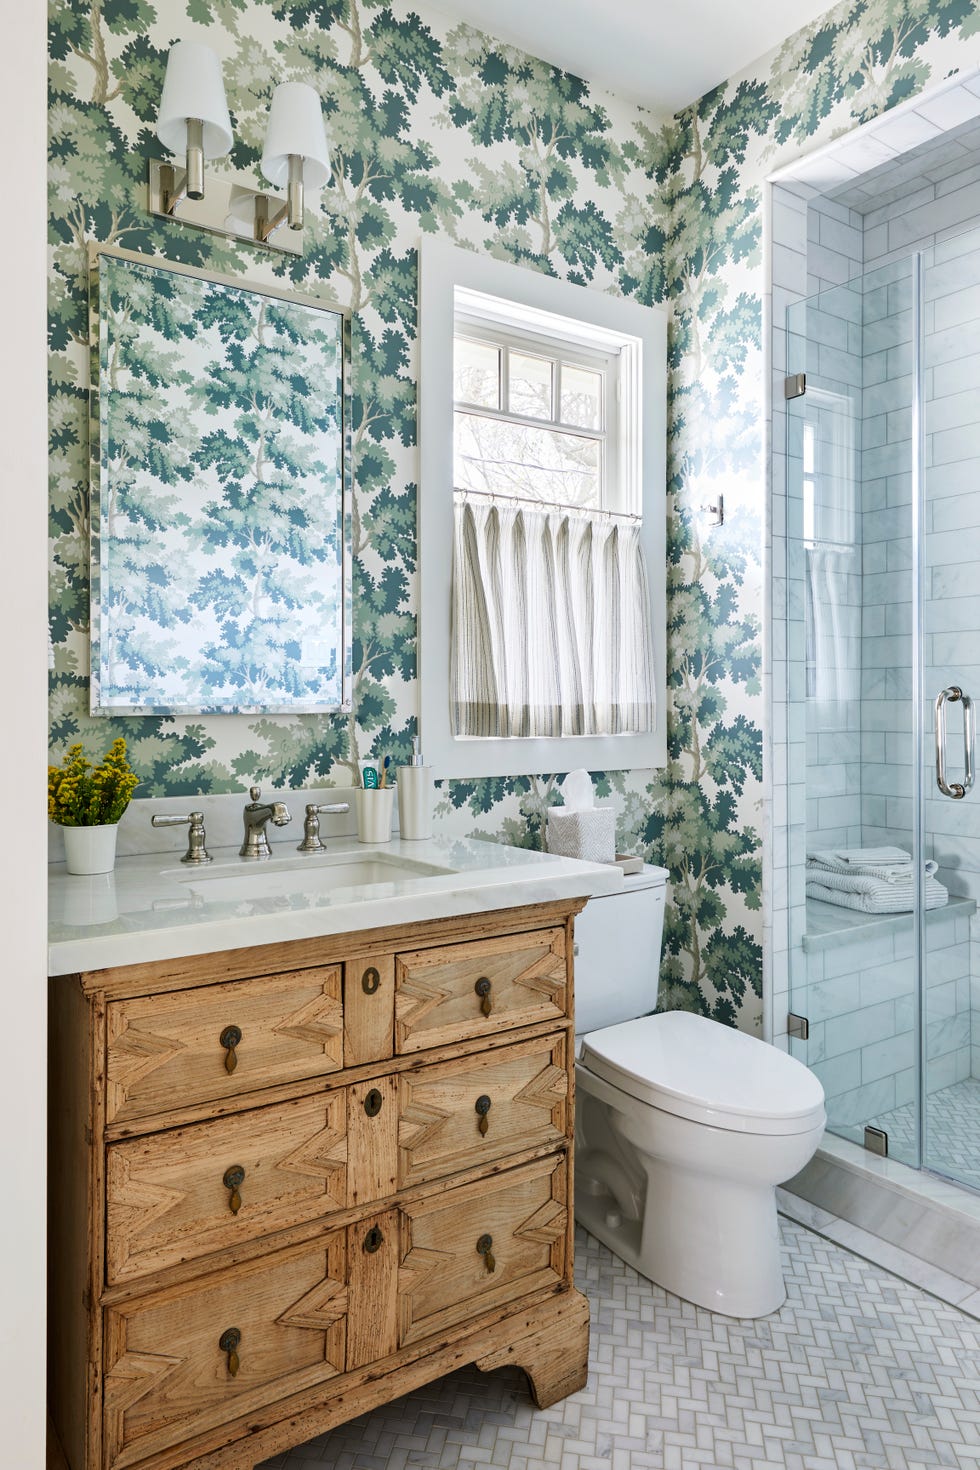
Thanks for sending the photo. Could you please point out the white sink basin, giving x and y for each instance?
(319, 873)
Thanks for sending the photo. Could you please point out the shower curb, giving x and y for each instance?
(930, 1219)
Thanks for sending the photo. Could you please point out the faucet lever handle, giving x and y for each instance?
(197, 851)
(311, 826)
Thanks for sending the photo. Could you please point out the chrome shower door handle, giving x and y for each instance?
(954, 695)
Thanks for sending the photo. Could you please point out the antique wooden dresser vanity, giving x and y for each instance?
(292, 1181)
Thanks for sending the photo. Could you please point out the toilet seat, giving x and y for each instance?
(694, 1068)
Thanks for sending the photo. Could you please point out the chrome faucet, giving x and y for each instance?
(257, 814)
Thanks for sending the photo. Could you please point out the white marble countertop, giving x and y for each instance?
(155, 908)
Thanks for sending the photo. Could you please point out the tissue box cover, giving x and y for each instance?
(590, 835)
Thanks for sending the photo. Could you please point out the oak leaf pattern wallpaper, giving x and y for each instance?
(438, 128)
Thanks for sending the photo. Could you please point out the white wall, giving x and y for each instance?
(23, 619)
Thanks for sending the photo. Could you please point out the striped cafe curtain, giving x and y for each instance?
(551, 626)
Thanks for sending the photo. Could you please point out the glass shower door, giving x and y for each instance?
(850, 657)
(949, 555)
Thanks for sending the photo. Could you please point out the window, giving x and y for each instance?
(533, 418)
(542, 508)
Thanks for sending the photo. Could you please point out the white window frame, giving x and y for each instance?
(608, 364)
(639, 334)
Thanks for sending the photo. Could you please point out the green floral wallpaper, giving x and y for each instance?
(438, 128)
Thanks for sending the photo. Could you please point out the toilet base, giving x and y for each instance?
(688, 1205)
(702, 1265)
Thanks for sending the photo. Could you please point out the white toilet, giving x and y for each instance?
(683, 1126)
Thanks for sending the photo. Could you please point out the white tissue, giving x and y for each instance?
(577, 791)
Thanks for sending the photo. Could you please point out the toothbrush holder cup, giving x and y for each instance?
(374, 809)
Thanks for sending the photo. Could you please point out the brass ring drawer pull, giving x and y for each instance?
(370, 980)
(229, 1342)
(372, 1103)
(233, 1179)
(374, 1240)
(230, 1038)
(483, 988)
(483, 1246)
(483, 1105)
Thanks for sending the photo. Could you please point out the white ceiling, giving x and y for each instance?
(662, 53)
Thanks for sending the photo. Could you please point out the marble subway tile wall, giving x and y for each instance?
(832, 526)
(863, 1037)
(939, 219)
(888, 586)
(859, 993)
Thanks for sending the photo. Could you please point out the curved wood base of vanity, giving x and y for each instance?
(294, 1182)
(549, 1341)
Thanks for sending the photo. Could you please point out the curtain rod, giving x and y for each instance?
(556, 505)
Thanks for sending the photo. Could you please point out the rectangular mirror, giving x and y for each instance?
(221, 552)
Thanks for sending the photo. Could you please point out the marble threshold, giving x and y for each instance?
(892, 1208)
(911, 1268)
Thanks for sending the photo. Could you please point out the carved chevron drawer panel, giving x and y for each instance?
(181, 1361)
(461, 991)
(475, 1248)
(217, 1041)
(176, 1196)
(459, 1114)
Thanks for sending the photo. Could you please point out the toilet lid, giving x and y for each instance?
(700, 1069)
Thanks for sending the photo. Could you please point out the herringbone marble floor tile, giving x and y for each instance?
(953, 1118)
(857, 1371)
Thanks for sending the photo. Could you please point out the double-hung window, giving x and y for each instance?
(534, 418)
(542, 507)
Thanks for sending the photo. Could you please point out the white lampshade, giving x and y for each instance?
(193, 87)
(296, 127)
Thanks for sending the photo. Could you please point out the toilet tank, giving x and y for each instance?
(618, 938)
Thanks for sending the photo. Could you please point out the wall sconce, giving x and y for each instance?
(193, 116)
(295, 152)
(194, 122)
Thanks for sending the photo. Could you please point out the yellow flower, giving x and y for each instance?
(80, 795)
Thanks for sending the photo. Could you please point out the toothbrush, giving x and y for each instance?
(384, 771)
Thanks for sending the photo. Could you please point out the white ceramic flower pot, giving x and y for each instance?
(90, 849)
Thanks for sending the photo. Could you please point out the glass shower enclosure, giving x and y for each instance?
(883, 548)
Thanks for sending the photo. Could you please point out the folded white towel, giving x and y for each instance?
(878, 857)
(830, 862)
(866, 904)
(869, 894)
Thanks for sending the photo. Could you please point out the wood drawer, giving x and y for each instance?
(167, 1376)
(166, 1051)
(444, 1279)
(519, 1092)
(167, 1200)
(436, 995)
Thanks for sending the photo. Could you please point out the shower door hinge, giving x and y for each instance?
(798, 1027)
(794, 386)
(876, 1140)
